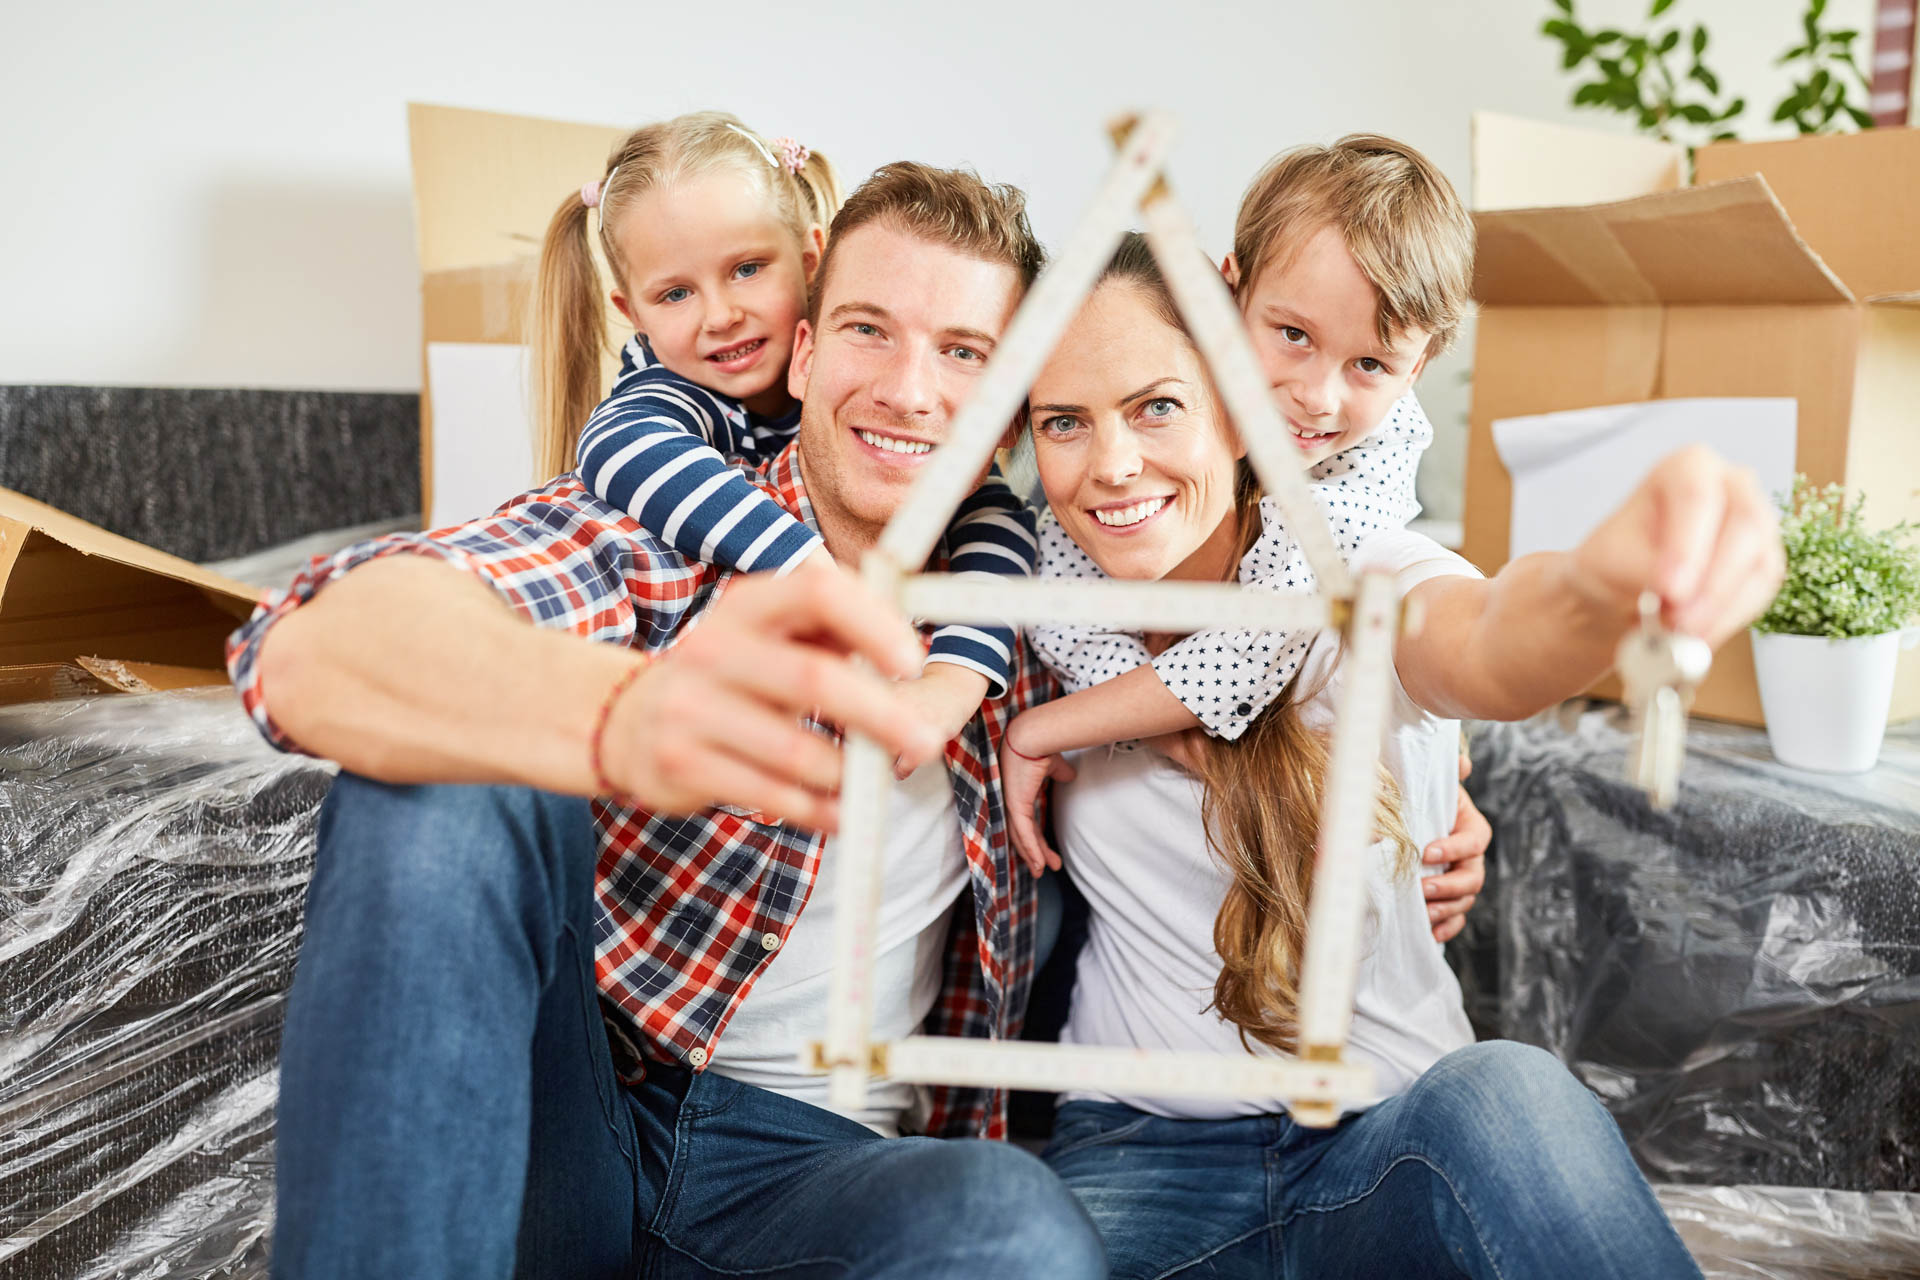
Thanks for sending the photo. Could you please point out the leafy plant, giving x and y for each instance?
(1842, 579)
(1635, 73)
(1823, 92)
(1640, 74)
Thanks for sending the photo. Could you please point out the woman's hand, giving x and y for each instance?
(1451, 894)
(1697, 532)
(1022, 778)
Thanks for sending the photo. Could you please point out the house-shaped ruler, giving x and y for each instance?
(1368, 610)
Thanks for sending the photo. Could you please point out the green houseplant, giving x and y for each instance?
(1825, 650)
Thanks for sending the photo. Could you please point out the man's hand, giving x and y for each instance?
(1463, 851)
(1699, 533)
(1021, 779)
(717, 718)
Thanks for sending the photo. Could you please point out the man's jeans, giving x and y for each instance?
(448, 1105)
(1495, 1163)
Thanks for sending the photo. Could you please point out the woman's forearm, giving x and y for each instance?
(1134, 705)
(1505, 647)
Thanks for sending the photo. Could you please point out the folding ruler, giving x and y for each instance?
(1320, 1078)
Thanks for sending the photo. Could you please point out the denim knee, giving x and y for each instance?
(1507, 1105)
(1016, 1213)
(435, 851)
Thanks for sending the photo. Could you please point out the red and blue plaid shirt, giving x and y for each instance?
(684, 903)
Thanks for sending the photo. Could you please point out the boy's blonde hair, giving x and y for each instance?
(569, 316)
(1401, 219)
(951, 207)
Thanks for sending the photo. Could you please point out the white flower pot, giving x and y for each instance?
(1826, 701)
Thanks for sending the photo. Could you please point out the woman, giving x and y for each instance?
(1476, 1159)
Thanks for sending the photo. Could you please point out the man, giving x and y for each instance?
(449, 1095)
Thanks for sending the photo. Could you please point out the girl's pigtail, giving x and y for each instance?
(821, 187)
(569, 334)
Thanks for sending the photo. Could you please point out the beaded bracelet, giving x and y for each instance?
(603, 783)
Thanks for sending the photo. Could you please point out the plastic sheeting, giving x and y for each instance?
(153, 860)
(154, 854)
(1738, 978)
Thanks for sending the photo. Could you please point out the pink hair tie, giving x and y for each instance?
(590, 194)
(792, 153)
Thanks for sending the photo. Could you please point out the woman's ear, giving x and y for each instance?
(813, 247)
(1230, 271)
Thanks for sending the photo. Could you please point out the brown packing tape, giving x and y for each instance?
(150, 677)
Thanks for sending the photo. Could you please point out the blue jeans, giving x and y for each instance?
(1494, 1163)
(448, 1104)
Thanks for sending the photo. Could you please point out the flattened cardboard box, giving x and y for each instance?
(1736, 287)
(82, 610)
(485, 186)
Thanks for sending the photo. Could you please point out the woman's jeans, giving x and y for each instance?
(448, 1105)
(1496, 1162)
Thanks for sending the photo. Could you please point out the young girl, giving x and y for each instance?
(1365, 218)
(713, 234)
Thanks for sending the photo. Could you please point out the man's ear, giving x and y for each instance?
(801, 366)
(1230, 271)
(813, 247)
(620, 301)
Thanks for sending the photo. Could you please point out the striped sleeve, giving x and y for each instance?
(654, 451)
(992, 533)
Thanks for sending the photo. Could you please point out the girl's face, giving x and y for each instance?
(1312, 321)
(717, 283)
(1137, 460)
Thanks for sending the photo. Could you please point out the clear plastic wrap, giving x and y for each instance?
(1738, 978)
(1797, 1233)
(154, 854)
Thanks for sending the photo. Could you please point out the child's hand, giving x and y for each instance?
(1021, 778)
(946, 696)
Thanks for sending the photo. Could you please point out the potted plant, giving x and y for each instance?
(1824, 651)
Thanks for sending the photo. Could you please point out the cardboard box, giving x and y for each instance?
(82, 610)
(1788, 269)
(485, 186)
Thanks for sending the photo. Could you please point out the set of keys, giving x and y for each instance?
(1659, 671)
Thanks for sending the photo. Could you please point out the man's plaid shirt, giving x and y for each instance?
(686, 905)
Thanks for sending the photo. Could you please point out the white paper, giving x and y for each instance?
(1572, 470)
(482, 427)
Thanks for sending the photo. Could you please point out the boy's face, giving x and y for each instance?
(1313, 325)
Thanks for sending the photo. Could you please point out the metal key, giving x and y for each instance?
(1659, 671)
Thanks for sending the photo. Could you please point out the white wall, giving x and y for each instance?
(217, 193)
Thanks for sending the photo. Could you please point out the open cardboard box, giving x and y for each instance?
(83, 610)
(485, 186)
(1786, 269)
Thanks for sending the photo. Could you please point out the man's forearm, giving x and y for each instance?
(1506, 647)
(409, 670)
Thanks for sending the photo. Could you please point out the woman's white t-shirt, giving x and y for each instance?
(1131, 833)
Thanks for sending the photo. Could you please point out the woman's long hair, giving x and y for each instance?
(1262, 795)
(1261, 809)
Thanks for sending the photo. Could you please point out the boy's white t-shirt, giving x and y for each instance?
(1131, 834)
(925, 871)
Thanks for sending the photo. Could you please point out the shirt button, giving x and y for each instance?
(1244, 709)
(770, 940)
(698, 1057)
